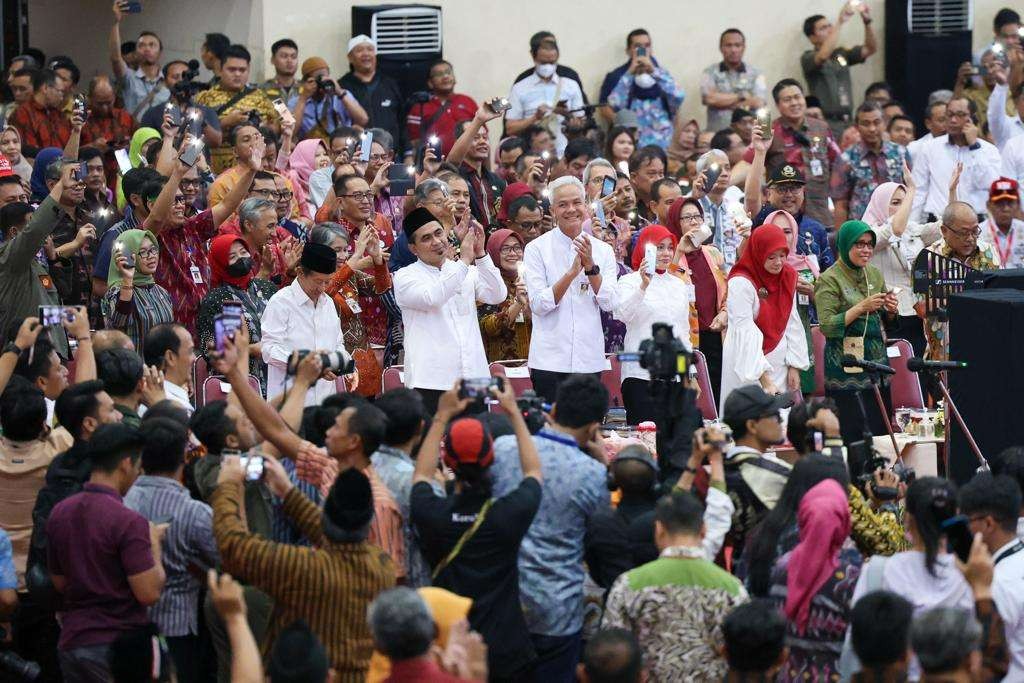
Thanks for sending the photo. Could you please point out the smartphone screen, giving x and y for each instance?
(641, 51)
(51, 315)
(253, 466)
(174, 113)
(191, 153)
(232, 308)
(123, 163)
(365, 142)
(651, 256)
(608, 185)
(219, 332)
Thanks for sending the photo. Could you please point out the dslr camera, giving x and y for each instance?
(14, 665)
(338, 362)
(664, 356)
(325, 84)
(533, 408)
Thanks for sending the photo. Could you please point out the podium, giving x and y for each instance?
(986, 329)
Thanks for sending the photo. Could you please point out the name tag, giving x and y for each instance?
(353, 305)
(197, 275)
(817, 169)
(517, 373)
(892, 351)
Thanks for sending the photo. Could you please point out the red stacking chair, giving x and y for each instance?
(214, 388)
(706, 402)
(905, 386)
(200, 371)
(818, 341)
(515, 373)
(393, 378)
(612, 380)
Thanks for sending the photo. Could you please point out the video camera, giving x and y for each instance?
(664, 356)
(338, 362)
(325, 84)
(533, 408)
(187, 87)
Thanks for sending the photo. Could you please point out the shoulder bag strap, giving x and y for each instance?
(238, 96)
(144, 104)
(467, 534)
(425, 127)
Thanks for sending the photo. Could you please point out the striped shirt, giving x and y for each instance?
(189, 541)
(284, 530)
(329, 586)
(149, 306)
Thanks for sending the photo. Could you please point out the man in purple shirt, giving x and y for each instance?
(103, 558)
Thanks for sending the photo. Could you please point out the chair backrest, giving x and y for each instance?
(905, 386)
(818, 341)
(515, 373)
(214, 388)
(612, 380)
(393, 378)
(706, 403)
(200, 371)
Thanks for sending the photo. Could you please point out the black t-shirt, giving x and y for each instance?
(486, 569)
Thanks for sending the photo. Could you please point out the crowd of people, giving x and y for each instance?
(250, 430)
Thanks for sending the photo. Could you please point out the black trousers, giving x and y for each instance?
(430, 398)
(546, 382)
(851, 421)
(34, 636)
(909, 327)
(636, 397)
(711, 347)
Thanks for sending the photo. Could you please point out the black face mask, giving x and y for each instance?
(240, 267)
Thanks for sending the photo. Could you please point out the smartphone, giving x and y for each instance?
(699, 236)
(131, 7)
(129, 257)
(365, 142)
(253, 466)
(711, 174)
(608, 185)
(545, 158)
(232, 308)
(231, 311)
(958, 536)
(651, 256)
(282, 110)
(192, 152)
(599, 213)
(81, 171)
(499, 105)
(80, 107)
(480, 387)
(350, 148)
(764, 120)
(401, 179)
(51, 315)
(641, 51)
(124, 164)
(220, 332)
(174, 113)
(434, 143)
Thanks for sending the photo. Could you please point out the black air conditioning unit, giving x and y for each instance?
(408, 39)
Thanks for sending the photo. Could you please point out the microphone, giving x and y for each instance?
(850, 361)
(922, 365)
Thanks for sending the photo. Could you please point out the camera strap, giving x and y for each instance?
(234, 100)
(429, 124)
(144, 104)
(466, 535)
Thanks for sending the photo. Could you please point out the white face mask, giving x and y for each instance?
(545, 70)
(644, 80)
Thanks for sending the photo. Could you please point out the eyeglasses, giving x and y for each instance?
(514, 249)
(194, 184)
(863, 245)
(360, 196)
(284, 194)
(180, 199)
(788, 189)
(152, 251)
(528, 225)
(378, 157)
(691, 218)
(965, 234)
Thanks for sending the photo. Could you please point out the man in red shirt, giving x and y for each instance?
(41, 120)
(184, 269)
(442, 112)
(108, 127)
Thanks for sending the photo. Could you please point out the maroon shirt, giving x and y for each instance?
(705, 288)
(420, 671)
(183, 249)
(96, 543)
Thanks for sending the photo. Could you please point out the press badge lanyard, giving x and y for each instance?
(1017, 547)
(1004, 256)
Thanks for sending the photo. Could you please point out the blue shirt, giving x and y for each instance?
(551, 572)
(8, 576)
(283, 529)
(329, 113)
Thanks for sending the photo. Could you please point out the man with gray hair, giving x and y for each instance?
(593, 180)
(403, 630)
(570, 279)
(947, 642)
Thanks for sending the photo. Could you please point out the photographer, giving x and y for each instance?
(323, 105)
(472, 538)
(178, 80)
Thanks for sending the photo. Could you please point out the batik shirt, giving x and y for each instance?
(858, 171)
(655, 113)
(936, 331)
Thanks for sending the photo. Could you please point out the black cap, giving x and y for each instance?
(638, 453)
(416, 219)
(739, 113)
(349, 503)
(787, 173)
(319, 258)
(750, 402)
(297, 655)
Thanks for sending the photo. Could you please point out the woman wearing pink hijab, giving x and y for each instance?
(308, 156)
(807, 269)
(898, 241)
(814, 585)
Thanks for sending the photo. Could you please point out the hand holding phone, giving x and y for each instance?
(608, 185)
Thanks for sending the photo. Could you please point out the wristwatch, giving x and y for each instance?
(11, 347)
(596, 270)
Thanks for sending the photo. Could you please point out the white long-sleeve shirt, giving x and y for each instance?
(567, 335)
(933, 169)
(743, 360)
(293, 322)
(1003, 126)
(915, 147)
(894, 256)
(666, 300)
(1013, 158)
(442, 334)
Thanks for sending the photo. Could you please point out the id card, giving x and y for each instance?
(197, 275)
(353, 305)
(817, 169)
(854, 346)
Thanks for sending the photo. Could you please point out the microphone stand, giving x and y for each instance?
(938, 375)
(874, 378)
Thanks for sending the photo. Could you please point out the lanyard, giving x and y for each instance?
(1004, 255)
(1017, 547)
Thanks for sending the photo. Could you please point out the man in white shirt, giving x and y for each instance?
(302, 317)
(170, 349)
(544, 98)
(438, 298)
(1003, 126)
(933, 167)
(935, 122)
(570, 279)
(1002, 230)
(991, 504)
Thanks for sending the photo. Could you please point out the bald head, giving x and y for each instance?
(960, 228)
(958, 211)
(111, 339)
(101, 96)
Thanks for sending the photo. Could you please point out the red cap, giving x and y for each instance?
(1004, 188)
(468, 443)
(512, 193)
(5, 167)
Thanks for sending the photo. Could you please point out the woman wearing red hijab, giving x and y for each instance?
(231, 279)
(764, 341)
(645, 299)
